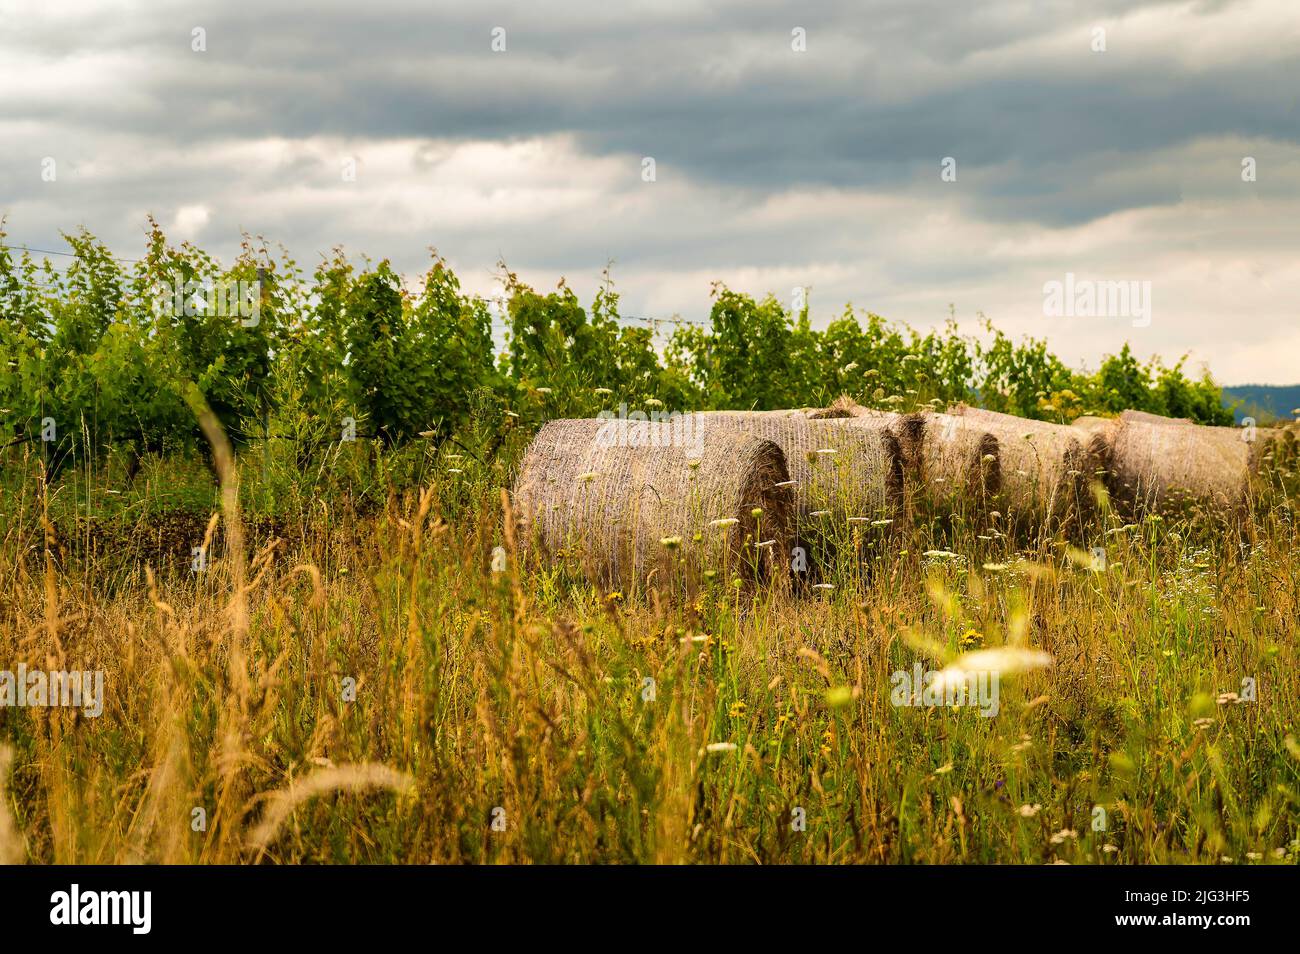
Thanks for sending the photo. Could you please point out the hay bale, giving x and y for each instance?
(1044, 469)
(1259, 436)
(843, 406)
(1099, 447)
(1168, 467)
(609, 492)
(851, 467)
(909, 429)
(956, 460)
(1147, 418)
(1096, 425)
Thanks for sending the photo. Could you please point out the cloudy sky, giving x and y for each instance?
(793, 145)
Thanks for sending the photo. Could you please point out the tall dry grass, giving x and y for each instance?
(365, 687)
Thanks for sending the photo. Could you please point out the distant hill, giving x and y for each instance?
(1262, 401)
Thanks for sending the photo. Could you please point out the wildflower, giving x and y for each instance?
(972, 637)
(589, 476)
(724, 522)
(604, 391)
(828, 739)
(737, 710)
(720, 747)
(1229, 698)
(943, 769)
(823, 586)
(653, 402)
(995, 567)
(1029, 811)
(543, 390)
(1204, 723)
(670, 543)
(756, 512)
(881, 523)
(1061, 836)
(820, 513)
(941, 555)
(614, 597)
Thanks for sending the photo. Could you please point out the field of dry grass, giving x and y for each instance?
(367, 684)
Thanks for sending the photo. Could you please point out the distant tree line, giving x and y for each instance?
(97, 352)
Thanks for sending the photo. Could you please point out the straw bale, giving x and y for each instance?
(1044, 469)
(611, 492)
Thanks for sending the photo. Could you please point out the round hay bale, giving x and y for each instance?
(842, 406)
(1096, 425)
(1146, 417)
(957, 461)
(944, 460)
(632, 500)
(910, 429)
(1099, 448)
(1172, 468)
(851, 467)
(1044, 469)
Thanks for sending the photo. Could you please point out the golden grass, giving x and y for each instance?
(522, 715)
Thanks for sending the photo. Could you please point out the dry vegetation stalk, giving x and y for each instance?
(350, 778)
